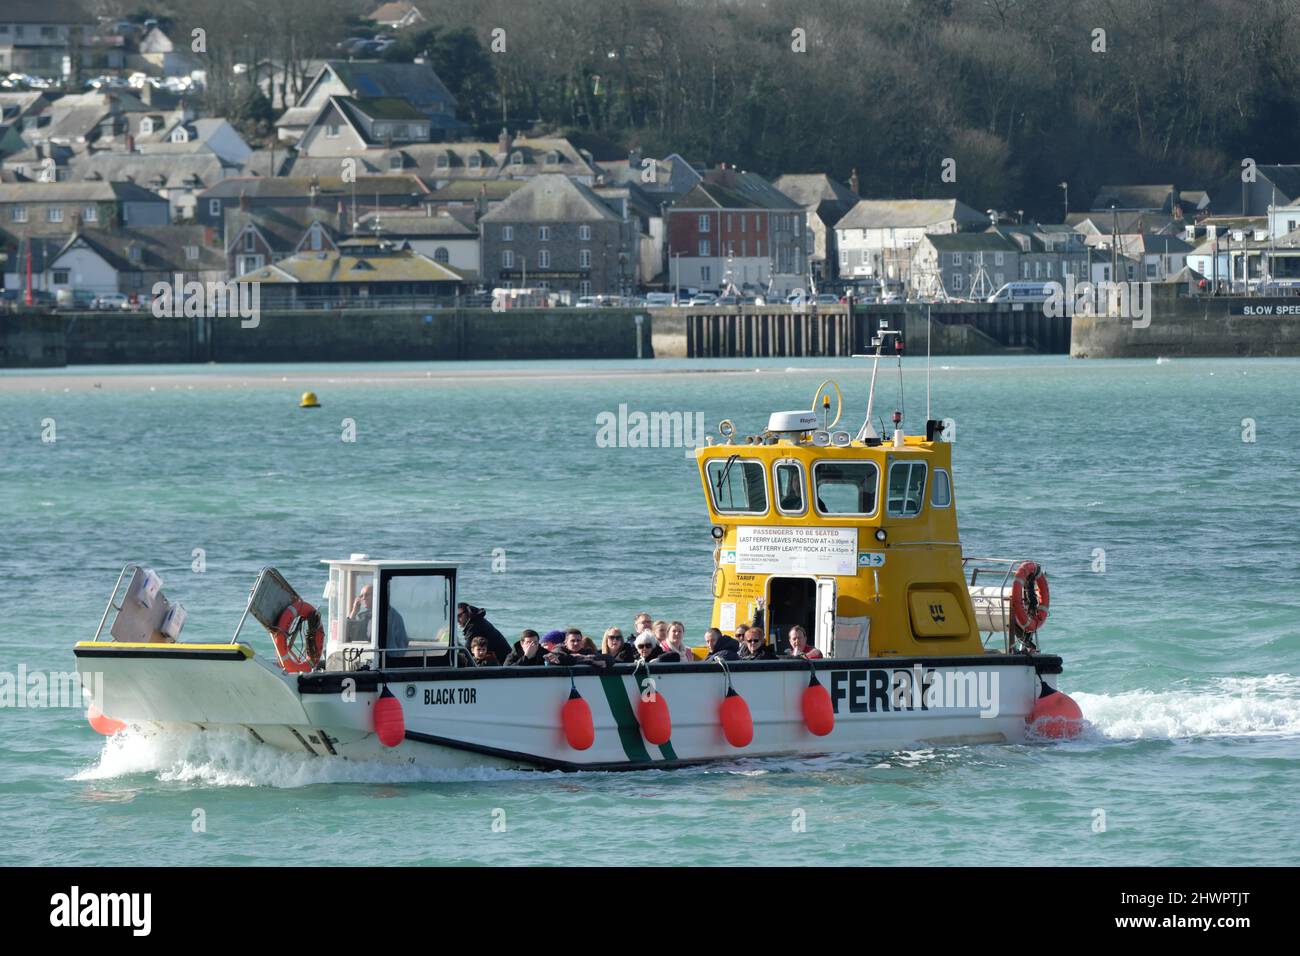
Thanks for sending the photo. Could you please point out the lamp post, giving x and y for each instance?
(1065, 187)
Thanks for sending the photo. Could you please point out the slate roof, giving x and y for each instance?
(906, 213)
(552, 198)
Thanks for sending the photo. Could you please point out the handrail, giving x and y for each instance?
(99, 630)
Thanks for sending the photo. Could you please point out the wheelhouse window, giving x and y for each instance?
(846, 487)
(940, 489)
(738, 487)
(790, 499)
(906, 489)
(417, 611)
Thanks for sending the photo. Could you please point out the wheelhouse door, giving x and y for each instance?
(825, 636)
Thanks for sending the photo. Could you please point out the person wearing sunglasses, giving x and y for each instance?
(754, 647)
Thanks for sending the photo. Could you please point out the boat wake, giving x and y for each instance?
(215, 759)
(1226, 707)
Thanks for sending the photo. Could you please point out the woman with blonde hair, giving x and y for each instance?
(613, 646)
(676, 642)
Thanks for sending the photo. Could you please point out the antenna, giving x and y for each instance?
(867, 432)
(927, 363)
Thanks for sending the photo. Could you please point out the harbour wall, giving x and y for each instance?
(30, 340)
(1193, 326)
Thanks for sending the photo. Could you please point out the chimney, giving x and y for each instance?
(853, 181)
(503, 142)
(243, 201)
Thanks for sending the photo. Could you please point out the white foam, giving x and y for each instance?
(215, 759)
(1228, 707)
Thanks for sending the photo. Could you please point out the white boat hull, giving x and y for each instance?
(510, 717)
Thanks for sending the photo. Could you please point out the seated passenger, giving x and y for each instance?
(755, 647)
(647, 648)
(614, 647)
(575, 650)
(677, 642)
(721, 646)
(473, 623)
(661, 633)
(551, 640)
(799, 646)
(641, 623)
(528, 652)
(479, 654)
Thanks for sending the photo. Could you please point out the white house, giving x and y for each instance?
(878, 237)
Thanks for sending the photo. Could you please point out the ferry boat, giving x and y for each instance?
(852, 537)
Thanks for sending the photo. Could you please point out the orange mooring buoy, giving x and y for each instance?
(737, 723)
(818, 713)
(1055, 715)
(575, 716)
(390, 723)
(652, 714)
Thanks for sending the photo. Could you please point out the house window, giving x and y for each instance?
(507, 233)
(441, 255)
(1024, 270)
(90, 213)
(844, 257)
(704, 223)
(191, 253)
(180, 135)
(999, 278)
(475, 161)
(332, 130)
(957, 281)
(584, 233)
(443, 162)
(997, 258)
(706, 273)
(543, 233)
(516, 158)
(584, 258)
(584, 287)
(395, 162)
(133, 253)
(54, 214)
(956, 258)
(18, 214)
(1037, 268)
(214, 207)
(704, 247)
(742, 223)
(250, 242)
(552, 159)
(544, 259)
(60, 276)
(1049, 270)
(1151, 270)
(508, 259)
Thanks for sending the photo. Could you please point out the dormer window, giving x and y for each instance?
(1239, 235)
(516, 158)
(552, 158)
(146, 126)
(443, 162)
(180, 135)
(395, 162)
(1211, 232)
(191, 253)
(475, 161)
(133, 253)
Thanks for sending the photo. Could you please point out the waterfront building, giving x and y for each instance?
(877, 237)
(825, 202)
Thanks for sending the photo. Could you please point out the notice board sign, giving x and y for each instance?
(794, 550)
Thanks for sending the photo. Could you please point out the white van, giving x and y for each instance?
(660, 300)
(1023, 292)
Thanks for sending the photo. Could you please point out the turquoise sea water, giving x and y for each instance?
(1184, 653)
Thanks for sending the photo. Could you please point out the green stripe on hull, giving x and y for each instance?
(629, 731)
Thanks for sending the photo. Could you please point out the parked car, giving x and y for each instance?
(728, 299)
(111, 300)
(587, 302)
(1022, 292)
(660, 300)
(827, 298)
(704, 298)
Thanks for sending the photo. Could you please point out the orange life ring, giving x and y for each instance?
(1030, 596)
(296, 617)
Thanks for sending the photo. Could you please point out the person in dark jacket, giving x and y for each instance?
(479, 654)
(647, 648)
(577, 649)
(474, 624)
(527, 651)
(721, 646)
(755, 648)
(615, 648)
